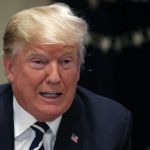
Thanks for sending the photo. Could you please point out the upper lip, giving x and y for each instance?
(50, 92)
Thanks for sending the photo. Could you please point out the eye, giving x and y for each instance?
(67, 62)
(38, 63)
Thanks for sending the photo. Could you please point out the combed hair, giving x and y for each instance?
(55, 23)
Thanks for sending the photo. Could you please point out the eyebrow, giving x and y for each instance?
(36, 54)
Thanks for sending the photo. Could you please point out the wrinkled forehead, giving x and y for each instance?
(54, 46)
(48, 47)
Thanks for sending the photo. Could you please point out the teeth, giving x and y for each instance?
(50, 95)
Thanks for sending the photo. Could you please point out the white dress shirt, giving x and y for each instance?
(23, 133)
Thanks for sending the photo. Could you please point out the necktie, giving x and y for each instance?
(40, 128)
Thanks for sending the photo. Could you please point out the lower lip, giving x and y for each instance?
(51, 100)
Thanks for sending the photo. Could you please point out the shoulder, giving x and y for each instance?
(102, 107)
(6, 99)
(97, 101)
(104, 118)
(5, 92)
(5, 88)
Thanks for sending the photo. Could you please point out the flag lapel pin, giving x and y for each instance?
(74, 138)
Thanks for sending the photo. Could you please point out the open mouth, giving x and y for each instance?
(50, 94)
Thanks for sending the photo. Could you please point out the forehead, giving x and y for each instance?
(50, 48)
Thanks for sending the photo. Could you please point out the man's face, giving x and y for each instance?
(44, 78)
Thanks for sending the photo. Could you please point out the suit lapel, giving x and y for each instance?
(70, 136)
(6, 120)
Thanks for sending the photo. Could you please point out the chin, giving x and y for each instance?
(47, 116)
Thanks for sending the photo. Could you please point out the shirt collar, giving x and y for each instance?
(23, 120)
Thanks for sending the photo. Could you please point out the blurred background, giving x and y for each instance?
(118, 53)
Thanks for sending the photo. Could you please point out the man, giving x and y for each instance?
(42, 52)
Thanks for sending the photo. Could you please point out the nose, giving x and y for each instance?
(53, 74)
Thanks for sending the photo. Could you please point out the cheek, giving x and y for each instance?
(71, 77)
(27, 78)
(26, 83)
(78, 74)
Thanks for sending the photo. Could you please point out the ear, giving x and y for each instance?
(8, 68)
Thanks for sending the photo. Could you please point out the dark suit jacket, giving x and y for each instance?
(96, 122)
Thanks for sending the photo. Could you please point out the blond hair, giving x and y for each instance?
(55, 23)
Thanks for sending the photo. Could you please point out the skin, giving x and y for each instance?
(44, 78)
